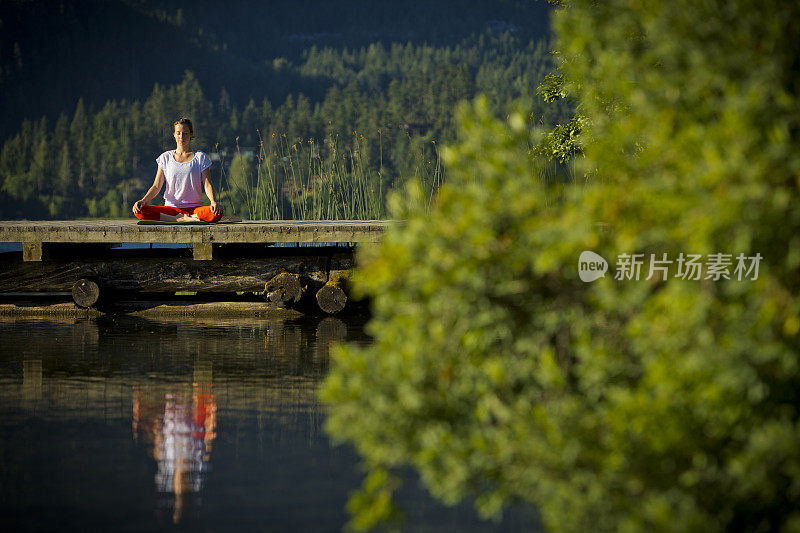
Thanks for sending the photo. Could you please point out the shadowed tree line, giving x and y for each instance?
(53, 53)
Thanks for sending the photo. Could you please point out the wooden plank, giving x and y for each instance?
(32, 251)
(244, 232)
(203, 251)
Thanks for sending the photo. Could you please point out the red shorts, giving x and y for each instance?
(154, 212)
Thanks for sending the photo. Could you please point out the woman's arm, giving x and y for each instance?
(206, 175)
(151, 193)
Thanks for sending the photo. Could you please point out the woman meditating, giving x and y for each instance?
(186, 175)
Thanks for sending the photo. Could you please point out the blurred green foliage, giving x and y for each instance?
(658, 405)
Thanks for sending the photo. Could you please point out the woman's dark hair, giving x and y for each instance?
(187, 122)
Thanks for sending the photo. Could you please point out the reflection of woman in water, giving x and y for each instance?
(186, 174)
(181, 431)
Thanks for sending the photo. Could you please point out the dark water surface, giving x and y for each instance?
(132, 424)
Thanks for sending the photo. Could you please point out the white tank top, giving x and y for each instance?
(184, 185)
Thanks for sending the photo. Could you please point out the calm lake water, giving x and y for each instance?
(133, 424)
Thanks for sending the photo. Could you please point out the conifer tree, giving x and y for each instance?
(65, 184)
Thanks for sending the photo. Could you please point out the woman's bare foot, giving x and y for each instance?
(178, 218)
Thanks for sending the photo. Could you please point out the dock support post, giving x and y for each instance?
(31, 251)
(203, 251)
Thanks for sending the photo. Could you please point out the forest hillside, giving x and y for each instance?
(53, 53)
(280, 110)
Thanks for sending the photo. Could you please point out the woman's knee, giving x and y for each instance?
(206, 214)
(148, 213)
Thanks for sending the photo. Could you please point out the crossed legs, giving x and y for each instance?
(173, 214)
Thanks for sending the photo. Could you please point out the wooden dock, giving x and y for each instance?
(34, 235)
(83, 257)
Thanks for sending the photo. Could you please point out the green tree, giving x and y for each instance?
(61, 132)
(240, 179)
(64, 184)
(299, 126)
(79, 136)
(659, 404)
(41, 165)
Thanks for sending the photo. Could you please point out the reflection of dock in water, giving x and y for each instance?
(188, 390)
(190, 404)
(264, 366)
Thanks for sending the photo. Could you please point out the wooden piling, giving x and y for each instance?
(284, 289)
(86, 292)
(331, 298)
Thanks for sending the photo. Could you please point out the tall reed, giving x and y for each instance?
(312, 180)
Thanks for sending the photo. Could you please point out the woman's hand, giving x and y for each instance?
(137, 207)
(215, 208)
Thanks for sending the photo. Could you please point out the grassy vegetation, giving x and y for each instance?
(311, 180)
